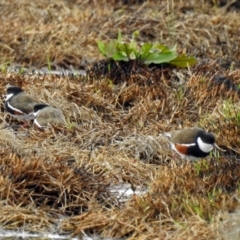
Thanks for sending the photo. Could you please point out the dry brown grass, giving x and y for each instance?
(60, 179)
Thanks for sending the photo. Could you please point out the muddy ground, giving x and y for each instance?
(59, 179)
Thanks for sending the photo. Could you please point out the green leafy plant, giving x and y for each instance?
(148, 53)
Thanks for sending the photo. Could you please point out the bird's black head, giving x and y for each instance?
(39, 106)
(207, 137)
(14, 90)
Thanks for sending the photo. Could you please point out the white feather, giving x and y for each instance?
(205, 147)
(167, 134)
(8, 96)
(37, 123)
(15, 109)
(187, 144)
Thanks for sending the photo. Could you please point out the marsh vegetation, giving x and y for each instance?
(60, 179)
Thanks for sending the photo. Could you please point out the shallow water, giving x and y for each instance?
(26, 235)
(5, 234)
(58, 71)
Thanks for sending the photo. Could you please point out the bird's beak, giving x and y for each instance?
(217, 147)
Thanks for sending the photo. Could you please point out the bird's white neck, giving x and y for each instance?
(36, 113)
(205, 147)
(8, 96)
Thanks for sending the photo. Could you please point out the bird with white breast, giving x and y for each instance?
(192, 143)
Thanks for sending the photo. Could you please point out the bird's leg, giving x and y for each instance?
(25, 124)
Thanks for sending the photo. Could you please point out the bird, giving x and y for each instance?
(192, 143)
(19, 104)
(44, 115)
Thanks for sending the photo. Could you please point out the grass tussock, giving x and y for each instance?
(52, 185)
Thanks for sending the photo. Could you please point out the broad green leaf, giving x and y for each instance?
(133, 45)
(146, 49)
(174, 48)
(126, 48)
(158, 58)
(118, 56)
(164, 49)
(132, 56)
(183, 61)
(110, 48)
(124, 54)
(159, 47)
(101, 47)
